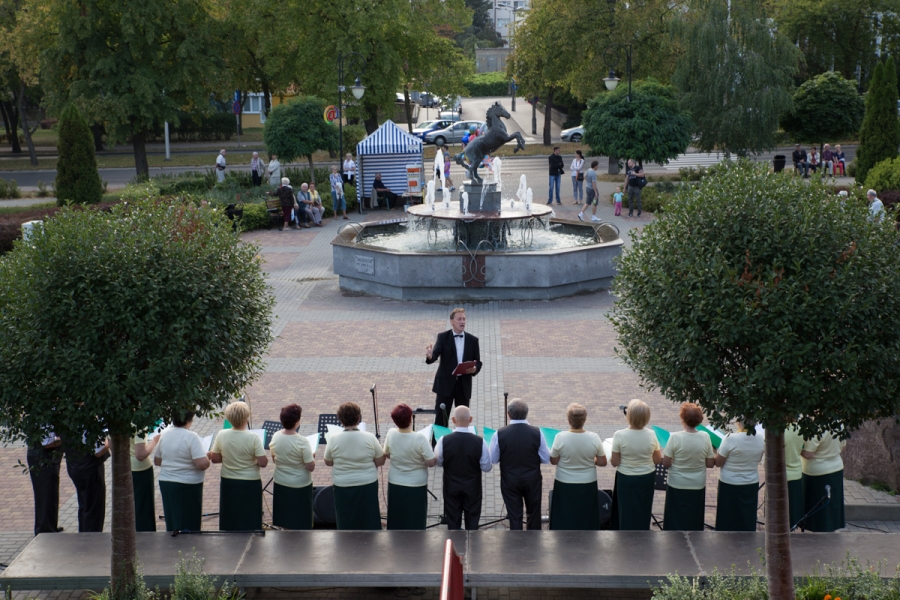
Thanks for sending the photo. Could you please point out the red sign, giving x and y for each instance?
(236, 107)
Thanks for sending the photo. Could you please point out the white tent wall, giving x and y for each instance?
(387, 151)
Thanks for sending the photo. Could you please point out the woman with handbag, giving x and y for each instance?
(634, 183)
(577, 168)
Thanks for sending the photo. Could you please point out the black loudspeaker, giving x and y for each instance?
(323, 508)
(605, 497)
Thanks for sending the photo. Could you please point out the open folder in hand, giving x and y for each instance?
(462, 367)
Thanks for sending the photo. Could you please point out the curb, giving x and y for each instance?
(872, 512)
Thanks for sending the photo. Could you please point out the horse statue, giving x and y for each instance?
(488, 142)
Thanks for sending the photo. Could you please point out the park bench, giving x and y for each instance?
(612, 560)
(273, 207)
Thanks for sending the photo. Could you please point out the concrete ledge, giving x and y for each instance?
(872, 512)
(559, 559)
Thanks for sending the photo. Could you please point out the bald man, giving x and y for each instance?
(464, 456)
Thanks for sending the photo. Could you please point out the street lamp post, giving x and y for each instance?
(357, 64)
(611, 56)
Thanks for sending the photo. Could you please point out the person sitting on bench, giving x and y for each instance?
(384, 192)
(798, 157)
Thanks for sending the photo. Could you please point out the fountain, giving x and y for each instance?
(478, 248)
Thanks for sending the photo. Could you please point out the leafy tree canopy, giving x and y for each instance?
(760, 296)
(826, 108)
(734, 76)
(651, 127)
(298, 128)
(880, 133)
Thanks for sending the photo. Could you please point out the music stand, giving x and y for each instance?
(422, 411)
(271, 428)
(324, 421)
(662, 477)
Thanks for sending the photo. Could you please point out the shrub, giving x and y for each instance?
(187, 185)
(880, 132)
(255, 217)
(654, 200)
(42, 191)
(77, 178)
(884, 175)
(487, 84)
(242, 179)
(299, 176)
(851, 167)
(191, 583)
(691, 173)
(133, 192)
(9, 189)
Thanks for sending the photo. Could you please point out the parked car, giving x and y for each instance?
(453, 133)
(573, 135)
(427, 100)
(452, 104)
(428, 126)
(448, 115)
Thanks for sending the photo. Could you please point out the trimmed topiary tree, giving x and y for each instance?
(761, 296)
(827, 108)
(111, 321)
(298, 129)
(77, 179)
(879, 137)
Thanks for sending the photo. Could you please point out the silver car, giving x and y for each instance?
(573, 135)
(453, 133)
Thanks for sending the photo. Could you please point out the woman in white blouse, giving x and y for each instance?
(349, 169)
(635, 454)
(577, 170)
(182, 460)
(411, 456)
(688, 455)
(295, 460)
(823, 466)
(577, 454)
(738, 459)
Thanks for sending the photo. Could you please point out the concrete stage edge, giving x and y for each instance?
(460, 276)
(493, 558)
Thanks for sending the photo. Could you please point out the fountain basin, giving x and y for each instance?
(468, 275)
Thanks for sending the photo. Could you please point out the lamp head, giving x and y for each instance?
(612, 81)
(358, 89)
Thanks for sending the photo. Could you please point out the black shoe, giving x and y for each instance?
(639, 213)
(630, 215)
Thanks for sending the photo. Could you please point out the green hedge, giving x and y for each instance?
(487, 84)
(255, 217)
(186, 185)
(884, 175)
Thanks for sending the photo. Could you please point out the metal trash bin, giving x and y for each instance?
(778, 163)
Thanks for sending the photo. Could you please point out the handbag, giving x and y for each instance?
(580, 177)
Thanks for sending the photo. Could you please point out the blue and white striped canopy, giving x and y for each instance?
(389, 139)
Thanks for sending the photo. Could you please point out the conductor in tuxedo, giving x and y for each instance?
(453, 347)
(464, 456)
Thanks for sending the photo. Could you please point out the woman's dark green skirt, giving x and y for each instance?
(795, 501)
(144, 500)
(292, 508)
(182, 505)
(635, 500)
(240, 504)
(830, 516)
(356, 507)
(736, 507)
(407, 506)
(685, 509)
(575, 507)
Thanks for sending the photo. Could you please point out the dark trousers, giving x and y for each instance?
(390, 199)
(460, 502)
(43, 468)
(458, 396)
(257, 178)
(634, 197)
(89, 478)
(514, 493)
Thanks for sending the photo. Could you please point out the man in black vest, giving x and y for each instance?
(464, 456)
(43, 461)
(453, 347)
(520, 449)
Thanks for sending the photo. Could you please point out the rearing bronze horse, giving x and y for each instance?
(488, 142)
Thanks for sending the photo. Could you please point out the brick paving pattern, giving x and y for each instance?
(332, 347)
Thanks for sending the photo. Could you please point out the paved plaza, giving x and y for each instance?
(330, 348)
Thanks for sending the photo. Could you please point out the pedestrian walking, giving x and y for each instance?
(577, 169)
(220, 166)
(556, 173)
(593, 194)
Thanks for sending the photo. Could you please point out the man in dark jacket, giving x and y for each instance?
(798, 156)
(556, 172)
(453, 347)
(521, 450)
(464, 456)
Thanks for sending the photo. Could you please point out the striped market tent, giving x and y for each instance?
(387, 151)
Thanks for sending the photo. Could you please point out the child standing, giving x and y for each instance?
(617, 197)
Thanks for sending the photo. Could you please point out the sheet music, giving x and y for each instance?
(426, 432)
(157, 432)
(607, 447)
(313, 442)
(206, 442)
(261, 433)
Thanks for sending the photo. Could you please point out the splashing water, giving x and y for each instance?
(528, 197)
(429, 195)
(465, 202)
(496, 165)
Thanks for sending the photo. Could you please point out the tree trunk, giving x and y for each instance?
(124, 544)
(267, 102)
(20, 102)
(312, 171)
(613, 167)
(408, 107)
(371, 121)
(97, 130)
(779, 571)
(548, 107)
(138, 142)
(11, 126)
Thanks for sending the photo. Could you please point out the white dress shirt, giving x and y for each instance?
(485, 461)
(460, 345)
(543, 451)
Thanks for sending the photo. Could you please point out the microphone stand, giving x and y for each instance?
(374, 392)
(506, 408)
(822, 503)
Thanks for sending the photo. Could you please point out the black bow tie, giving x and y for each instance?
(462, 335)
